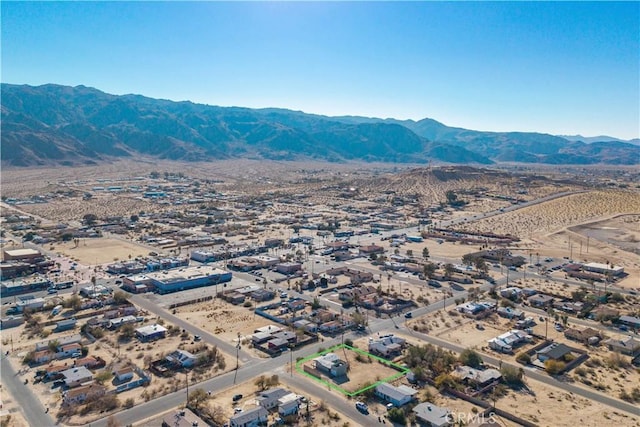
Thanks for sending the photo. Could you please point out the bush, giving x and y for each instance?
(471, 358)
(512, 376)
(524, 358)
(396, 415)
(554, 367)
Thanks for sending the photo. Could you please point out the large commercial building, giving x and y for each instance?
(22, 255)
(164, 282)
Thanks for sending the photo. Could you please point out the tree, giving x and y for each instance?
(28, 237)
(261, 382)
(53, 346)
(471, 358)
(409, 252)
(102, 377)
(120, 297)
(481, 265)
(197, 398)
(89, 219)
(449, 269)
(359, 319)
(134, 218)
(468, 259)
(428, 269)
(126, 332)
(425, 253)
(396, 415)
(445, 381)
(511, 375)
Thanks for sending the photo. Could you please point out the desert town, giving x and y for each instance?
(245, 293)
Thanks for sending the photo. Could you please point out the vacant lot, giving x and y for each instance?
(101, 250)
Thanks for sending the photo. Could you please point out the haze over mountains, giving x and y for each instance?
(53, 124)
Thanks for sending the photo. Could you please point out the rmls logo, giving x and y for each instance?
(466, 418)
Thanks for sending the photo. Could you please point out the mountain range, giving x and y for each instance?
(63, 125)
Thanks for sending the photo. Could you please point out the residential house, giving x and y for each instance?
(370, 249)
(428, 414)
(182, 418)
(386, 345)
(540, 300)
(510, 313)
(554, 351)
(81, 394)
(75, 377)
(65, 325)
(508, 340)
(277, 344)
(69, 350)
(582, 335)
(251, 418)
(399, 396)
(181, 359)
(90, 362)
(268, 399)
(122, 375)
(477, 377)
(511, 292)
(288, 405)
(151, 332)
(630, 321)
(62, 341)
(331, 364)
(627, 345)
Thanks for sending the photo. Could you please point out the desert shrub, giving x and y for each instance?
(554, 367)
(523, 358)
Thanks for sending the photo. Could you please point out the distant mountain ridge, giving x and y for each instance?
(54, 124)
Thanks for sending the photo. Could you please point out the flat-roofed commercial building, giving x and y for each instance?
(164, 282)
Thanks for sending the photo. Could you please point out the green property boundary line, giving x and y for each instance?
(402, 371)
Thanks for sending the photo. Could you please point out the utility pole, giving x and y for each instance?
(235, 376)
(186, 375)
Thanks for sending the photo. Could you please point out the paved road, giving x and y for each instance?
(542, 377)
(261, 366)
(229, 348)
(31, 407)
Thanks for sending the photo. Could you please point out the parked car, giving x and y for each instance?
(362, 407)
(408, 315)
(236, 397)
(197, 337)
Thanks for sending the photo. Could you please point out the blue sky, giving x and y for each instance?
(560, 68)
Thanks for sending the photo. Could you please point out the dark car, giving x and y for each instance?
(236, 397)
(408, 315)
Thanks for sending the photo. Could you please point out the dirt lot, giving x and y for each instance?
(362, 371)
(622, 231)
(101, 250)
(224, 319)
(549, 406)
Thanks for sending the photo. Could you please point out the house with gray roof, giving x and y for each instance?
(268, 399)
(399, 396)
(75, 377)
(627, 345)
(428, 414)
(251, 418)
